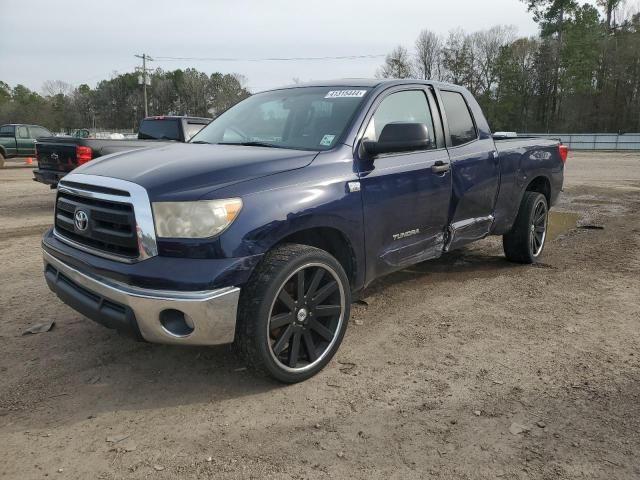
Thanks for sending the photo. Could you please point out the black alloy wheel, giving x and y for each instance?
(306, 317)
(538, 227)
(525, 241)
(293, 312)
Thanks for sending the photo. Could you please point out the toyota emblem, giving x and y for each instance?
(81, 220)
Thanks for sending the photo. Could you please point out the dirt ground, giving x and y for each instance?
(462, 368)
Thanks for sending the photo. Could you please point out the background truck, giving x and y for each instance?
(262, 230)
(57, 156)
(18, 140)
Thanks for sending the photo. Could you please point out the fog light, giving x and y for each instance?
(176, 323)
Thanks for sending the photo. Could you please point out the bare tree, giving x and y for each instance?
(456, 58)
(51, 88)
(242, 80)
(486, 46)
(428, 56)
(397, 64)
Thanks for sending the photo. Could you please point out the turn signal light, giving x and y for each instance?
(564, 152)
(83, 154)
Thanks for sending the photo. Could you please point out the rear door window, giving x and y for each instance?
(7, 130)
(461, 126)
(159, 129)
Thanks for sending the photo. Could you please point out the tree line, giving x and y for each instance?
(118, 103)
(580, 74)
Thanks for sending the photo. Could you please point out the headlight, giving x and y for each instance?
(201, 219)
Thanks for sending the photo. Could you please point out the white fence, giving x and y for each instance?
(594, 141)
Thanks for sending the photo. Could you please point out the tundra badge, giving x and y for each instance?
(410, 233)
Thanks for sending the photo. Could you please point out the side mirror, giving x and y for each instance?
(399, 137)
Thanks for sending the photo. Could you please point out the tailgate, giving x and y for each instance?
(60, 157)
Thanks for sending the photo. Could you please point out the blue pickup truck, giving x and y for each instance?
(261, 230)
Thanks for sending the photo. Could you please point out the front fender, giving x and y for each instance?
(279, 205)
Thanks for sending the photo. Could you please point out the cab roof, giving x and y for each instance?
(176, 117)
(367, 83)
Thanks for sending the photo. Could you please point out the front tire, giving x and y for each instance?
(1, 160)
(293, 312)
(525, 241)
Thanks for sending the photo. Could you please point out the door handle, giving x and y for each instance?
(440, 167)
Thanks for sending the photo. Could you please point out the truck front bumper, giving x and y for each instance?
(157, 316)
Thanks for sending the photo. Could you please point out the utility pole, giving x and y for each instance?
(145, 79)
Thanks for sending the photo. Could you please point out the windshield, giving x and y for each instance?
(159, 129)
(306, 118)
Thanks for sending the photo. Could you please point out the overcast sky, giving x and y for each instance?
(86, 41)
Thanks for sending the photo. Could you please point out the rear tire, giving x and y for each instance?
(525, 241)
(293, 313)
(1, 160)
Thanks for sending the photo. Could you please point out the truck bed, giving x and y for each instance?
(57, 156)
(527, 143)
(521, 160)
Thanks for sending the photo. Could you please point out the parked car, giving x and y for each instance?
(57, 156)
(285, 207)
(18, 140)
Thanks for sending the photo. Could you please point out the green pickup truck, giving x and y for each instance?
(18, 140)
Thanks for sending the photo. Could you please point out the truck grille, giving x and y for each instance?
(98, 224)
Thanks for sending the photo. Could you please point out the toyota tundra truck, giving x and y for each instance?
(262, 229)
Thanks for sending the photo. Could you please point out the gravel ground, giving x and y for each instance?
(465, 367)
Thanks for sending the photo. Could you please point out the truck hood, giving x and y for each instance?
(190, 171)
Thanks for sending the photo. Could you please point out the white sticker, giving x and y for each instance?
(326, 140)
(345, 94)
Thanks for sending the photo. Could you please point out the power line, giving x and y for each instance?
(270, 59)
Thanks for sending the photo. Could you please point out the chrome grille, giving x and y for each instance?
(114, 218)
(111, 226)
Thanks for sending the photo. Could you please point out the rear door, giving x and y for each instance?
(8, 136)
(475, 172)
(405, 201)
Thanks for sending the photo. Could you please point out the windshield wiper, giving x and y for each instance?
(201, 141)
(251, 144)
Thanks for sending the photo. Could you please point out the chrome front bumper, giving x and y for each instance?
(210, 314)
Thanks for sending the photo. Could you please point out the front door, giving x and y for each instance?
(24, 143)
(405, 195)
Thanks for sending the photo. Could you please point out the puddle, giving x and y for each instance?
(561, 222)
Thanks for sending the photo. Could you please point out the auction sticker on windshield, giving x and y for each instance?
(345, 93)
(326, 140)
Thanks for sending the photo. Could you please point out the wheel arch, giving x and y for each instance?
(540, 184)
(333, 241)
